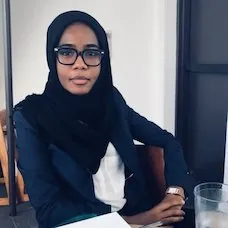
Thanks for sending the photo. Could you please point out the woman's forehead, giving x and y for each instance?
(78, 34)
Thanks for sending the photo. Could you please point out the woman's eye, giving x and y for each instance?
(66, 52)
(92, 53)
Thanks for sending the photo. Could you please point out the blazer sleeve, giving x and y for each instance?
(148, 133)
(51, 205)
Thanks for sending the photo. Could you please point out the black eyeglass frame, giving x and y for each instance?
(79, 53)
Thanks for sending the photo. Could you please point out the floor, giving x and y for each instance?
(25, 215)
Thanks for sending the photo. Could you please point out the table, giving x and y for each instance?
(138, 226)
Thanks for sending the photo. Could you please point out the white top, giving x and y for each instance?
(109, 181)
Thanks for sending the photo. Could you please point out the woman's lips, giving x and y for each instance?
(79, 80)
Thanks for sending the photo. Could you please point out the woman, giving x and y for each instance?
(75, 141)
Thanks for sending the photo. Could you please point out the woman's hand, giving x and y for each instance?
(169, 210)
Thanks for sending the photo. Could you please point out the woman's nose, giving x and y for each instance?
(79, 63)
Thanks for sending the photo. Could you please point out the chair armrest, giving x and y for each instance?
(152, 160)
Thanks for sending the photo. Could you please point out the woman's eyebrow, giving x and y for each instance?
(74, 46)
(66, 45)
(91, 46)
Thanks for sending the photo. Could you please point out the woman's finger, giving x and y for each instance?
(172, 212)
(173, 219)
(174, 198)
(176, 207)
(166, 204)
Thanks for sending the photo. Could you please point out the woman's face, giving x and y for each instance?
(78, 78)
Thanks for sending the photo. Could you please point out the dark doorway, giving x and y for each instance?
(202, 85)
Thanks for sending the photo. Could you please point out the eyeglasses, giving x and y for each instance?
(68, 56)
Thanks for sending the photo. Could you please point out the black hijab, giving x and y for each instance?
(80, 125)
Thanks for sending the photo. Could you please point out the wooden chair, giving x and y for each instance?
(152, 162)
(21, 196)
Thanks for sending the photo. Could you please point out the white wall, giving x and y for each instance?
(170, 64)
(143, 49)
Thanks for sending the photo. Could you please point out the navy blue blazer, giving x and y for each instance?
(60, 189)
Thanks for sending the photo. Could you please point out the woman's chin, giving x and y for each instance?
(79, 90)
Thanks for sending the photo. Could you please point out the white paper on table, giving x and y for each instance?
(225, 179)
(111, 220)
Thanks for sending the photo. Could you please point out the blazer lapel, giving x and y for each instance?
(77, 177)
